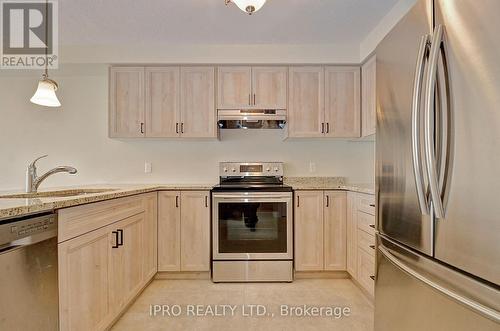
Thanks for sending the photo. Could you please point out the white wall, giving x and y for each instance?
(77, 135)
(378, 33)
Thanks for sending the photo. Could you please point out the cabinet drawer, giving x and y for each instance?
(366, 222)
(366, 203)
(75, 221)
(366, 242)
(366, 270)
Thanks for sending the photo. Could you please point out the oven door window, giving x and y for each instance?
(252, 227)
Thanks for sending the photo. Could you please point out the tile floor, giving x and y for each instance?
(188, 293)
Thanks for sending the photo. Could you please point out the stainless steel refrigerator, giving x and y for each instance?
(438, 169)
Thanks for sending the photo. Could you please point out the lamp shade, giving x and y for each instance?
(45, 94)
(249, 6)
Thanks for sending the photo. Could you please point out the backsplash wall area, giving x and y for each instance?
(77, 135)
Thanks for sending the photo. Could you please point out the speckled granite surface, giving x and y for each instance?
(12, 207)
(21, 206)
(327, 183)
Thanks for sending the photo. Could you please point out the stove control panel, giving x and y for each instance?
(251, 169)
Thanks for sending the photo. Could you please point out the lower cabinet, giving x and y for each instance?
(184, 231)
(320, 230)
(361, 239)
(101, 271)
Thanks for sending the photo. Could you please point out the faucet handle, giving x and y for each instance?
(32, 164)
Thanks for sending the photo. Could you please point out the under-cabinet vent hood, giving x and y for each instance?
(251, 118)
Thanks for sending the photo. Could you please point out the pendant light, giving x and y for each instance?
(45, 94)
(248, 6)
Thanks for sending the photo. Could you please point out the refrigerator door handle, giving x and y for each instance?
(423, 54)
(476, 306)
(430, 149)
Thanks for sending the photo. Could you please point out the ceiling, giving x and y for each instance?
(104, 22)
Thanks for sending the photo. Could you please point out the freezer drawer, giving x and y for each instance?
(414, 293)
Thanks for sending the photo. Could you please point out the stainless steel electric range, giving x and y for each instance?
(252, 239)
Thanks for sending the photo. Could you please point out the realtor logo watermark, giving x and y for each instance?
(29, 34)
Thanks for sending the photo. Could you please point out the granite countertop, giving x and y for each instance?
(11, 207)
(327, 183)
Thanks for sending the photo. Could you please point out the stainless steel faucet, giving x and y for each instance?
(32, 179)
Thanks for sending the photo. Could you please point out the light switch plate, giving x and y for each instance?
(147, 167)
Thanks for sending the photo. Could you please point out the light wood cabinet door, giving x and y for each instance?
(127, 261)
(169, 231)
(234, 88)
(369, 96)
(342, 102)
(150, 241)
(335, 230)
(126, 102)
(84, 272)
(269, 87)
(306, 102)
(198, 115)
(309, 230)
(162, 102)
(195, 231)
(352, 235)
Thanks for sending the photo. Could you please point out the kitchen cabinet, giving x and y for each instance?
(320, 230)
(126, 102)
(234, 87)
(351, 235)
(184, 231)
(198, 114)
(335, 230)
(126, 261)
(369, 96)
(243, 87)
(84, 272)
(306, 102)
(342, 102)
(169, 231)
(150, 258)
(361, 239)
(162, 102)
(103, 264)
(195, 231)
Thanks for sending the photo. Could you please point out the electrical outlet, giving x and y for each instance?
(147, 167)
(312, 167)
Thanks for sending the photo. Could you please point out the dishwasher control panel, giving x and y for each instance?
(19, 228)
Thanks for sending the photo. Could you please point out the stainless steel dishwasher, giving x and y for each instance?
(28, 273)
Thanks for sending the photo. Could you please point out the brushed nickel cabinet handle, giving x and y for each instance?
(372, 205)
(327, 201)
(322, 127)
(182, 127)
(120, 232)
(372, 226)
(327, 127)
(142, 127)
(176, 201)
(115, 245)
(206, 201)
(372, 277)
(176, 127)
(298, 201)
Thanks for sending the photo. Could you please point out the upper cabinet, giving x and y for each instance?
(198, 102)
(126, 102)
(324, 102)
(244, 87)
(342, 99)
(306, 102)
(162, 102)
(369, 96)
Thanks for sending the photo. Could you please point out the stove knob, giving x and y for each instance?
(225, 169)
(276, 169)
(268, 169)
(233, 169)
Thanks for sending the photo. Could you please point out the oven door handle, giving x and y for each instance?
(240, 197)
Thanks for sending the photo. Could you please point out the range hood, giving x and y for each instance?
(251, 118)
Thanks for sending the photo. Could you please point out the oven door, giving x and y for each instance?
(252, 226)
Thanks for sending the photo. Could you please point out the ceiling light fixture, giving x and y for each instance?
(45, 94)
(248, 6)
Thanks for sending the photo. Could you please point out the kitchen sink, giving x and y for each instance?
(56, 194)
